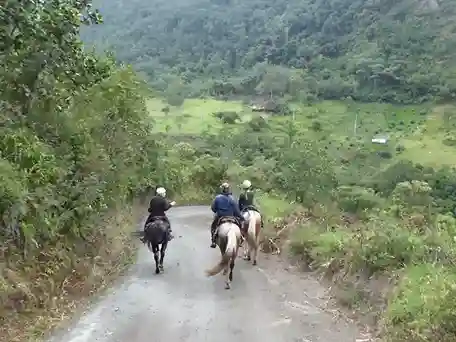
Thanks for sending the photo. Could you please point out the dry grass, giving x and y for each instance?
(41, 292)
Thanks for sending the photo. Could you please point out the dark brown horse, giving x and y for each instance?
(156, 238)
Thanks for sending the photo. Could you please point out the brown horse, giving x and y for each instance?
(252, 235)
(228, 240)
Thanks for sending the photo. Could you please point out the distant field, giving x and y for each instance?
(421, 130)
(194, 116)
(426, 144)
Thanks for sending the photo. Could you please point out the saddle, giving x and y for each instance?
(232, 219)
(250, 207)
(157, 218)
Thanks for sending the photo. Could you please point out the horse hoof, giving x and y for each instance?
(254, 262)
(227, 286)
(157, 271)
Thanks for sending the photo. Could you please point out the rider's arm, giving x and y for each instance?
(214, 205)
(166, 204)
(236, 210)
(241, 200)
(150, 205)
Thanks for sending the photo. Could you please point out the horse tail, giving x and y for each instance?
(230, 252)
(252, 234)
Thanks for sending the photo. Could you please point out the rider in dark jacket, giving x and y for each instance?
(223, 205)
(246, 198)
(157, 209)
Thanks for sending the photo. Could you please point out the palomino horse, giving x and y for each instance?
(156, 234)
(252, 234)
(228, 240)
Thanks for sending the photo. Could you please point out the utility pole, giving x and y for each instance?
(355, 124)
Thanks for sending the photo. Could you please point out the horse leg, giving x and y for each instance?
(255, 254)
(225, 270)
(230, 275)
(257, 242)
(246, 249)
(162, 254)
(155, 250)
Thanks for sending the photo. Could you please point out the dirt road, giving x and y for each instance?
(266, 303)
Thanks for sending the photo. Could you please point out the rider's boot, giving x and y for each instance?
(170, 234)
(213, 235)
(213, 239)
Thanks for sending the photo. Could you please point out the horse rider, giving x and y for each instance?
(222, 206)
(246, 199)
(158, 205)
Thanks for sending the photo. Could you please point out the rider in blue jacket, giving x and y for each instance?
(223, 205)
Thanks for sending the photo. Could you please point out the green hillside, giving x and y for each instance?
(396, 51)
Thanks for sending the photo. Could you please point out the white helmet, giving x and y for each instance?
(161, 192)
(246, 184)
(225, 187)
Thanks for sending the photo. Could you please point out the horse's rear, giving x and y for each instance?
(155, 235)
(228, 240)
(252, 235)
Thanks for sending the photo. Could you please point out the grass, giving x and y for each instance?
(426, 144)
(38, 299)
(194, 116)
(422, 307)
(419, 129)
(379, 246)
(275, 206)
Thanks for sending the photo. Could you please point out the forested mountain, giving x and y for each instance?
(372, 50)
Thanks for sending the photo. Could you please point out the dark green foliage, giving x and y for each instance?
(316, 126)
(72, 125)
(227, 117)
(394, 51)
(258, 123)
(442, 181)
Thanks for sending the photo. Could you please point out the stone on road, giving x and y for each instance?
(265, 303)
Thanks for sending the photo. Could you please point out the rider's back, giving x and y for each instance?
(246, 199)
(223, 205)
(158, 205)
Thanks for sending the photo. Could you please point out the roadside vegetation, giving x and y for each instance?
(376, 219)
(77, 155)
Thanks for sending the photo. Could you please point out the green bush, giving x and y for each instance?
(319, 245)
(423, 307)
(356, 199)
(384, 245)
(258, 123)
(227, 117)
